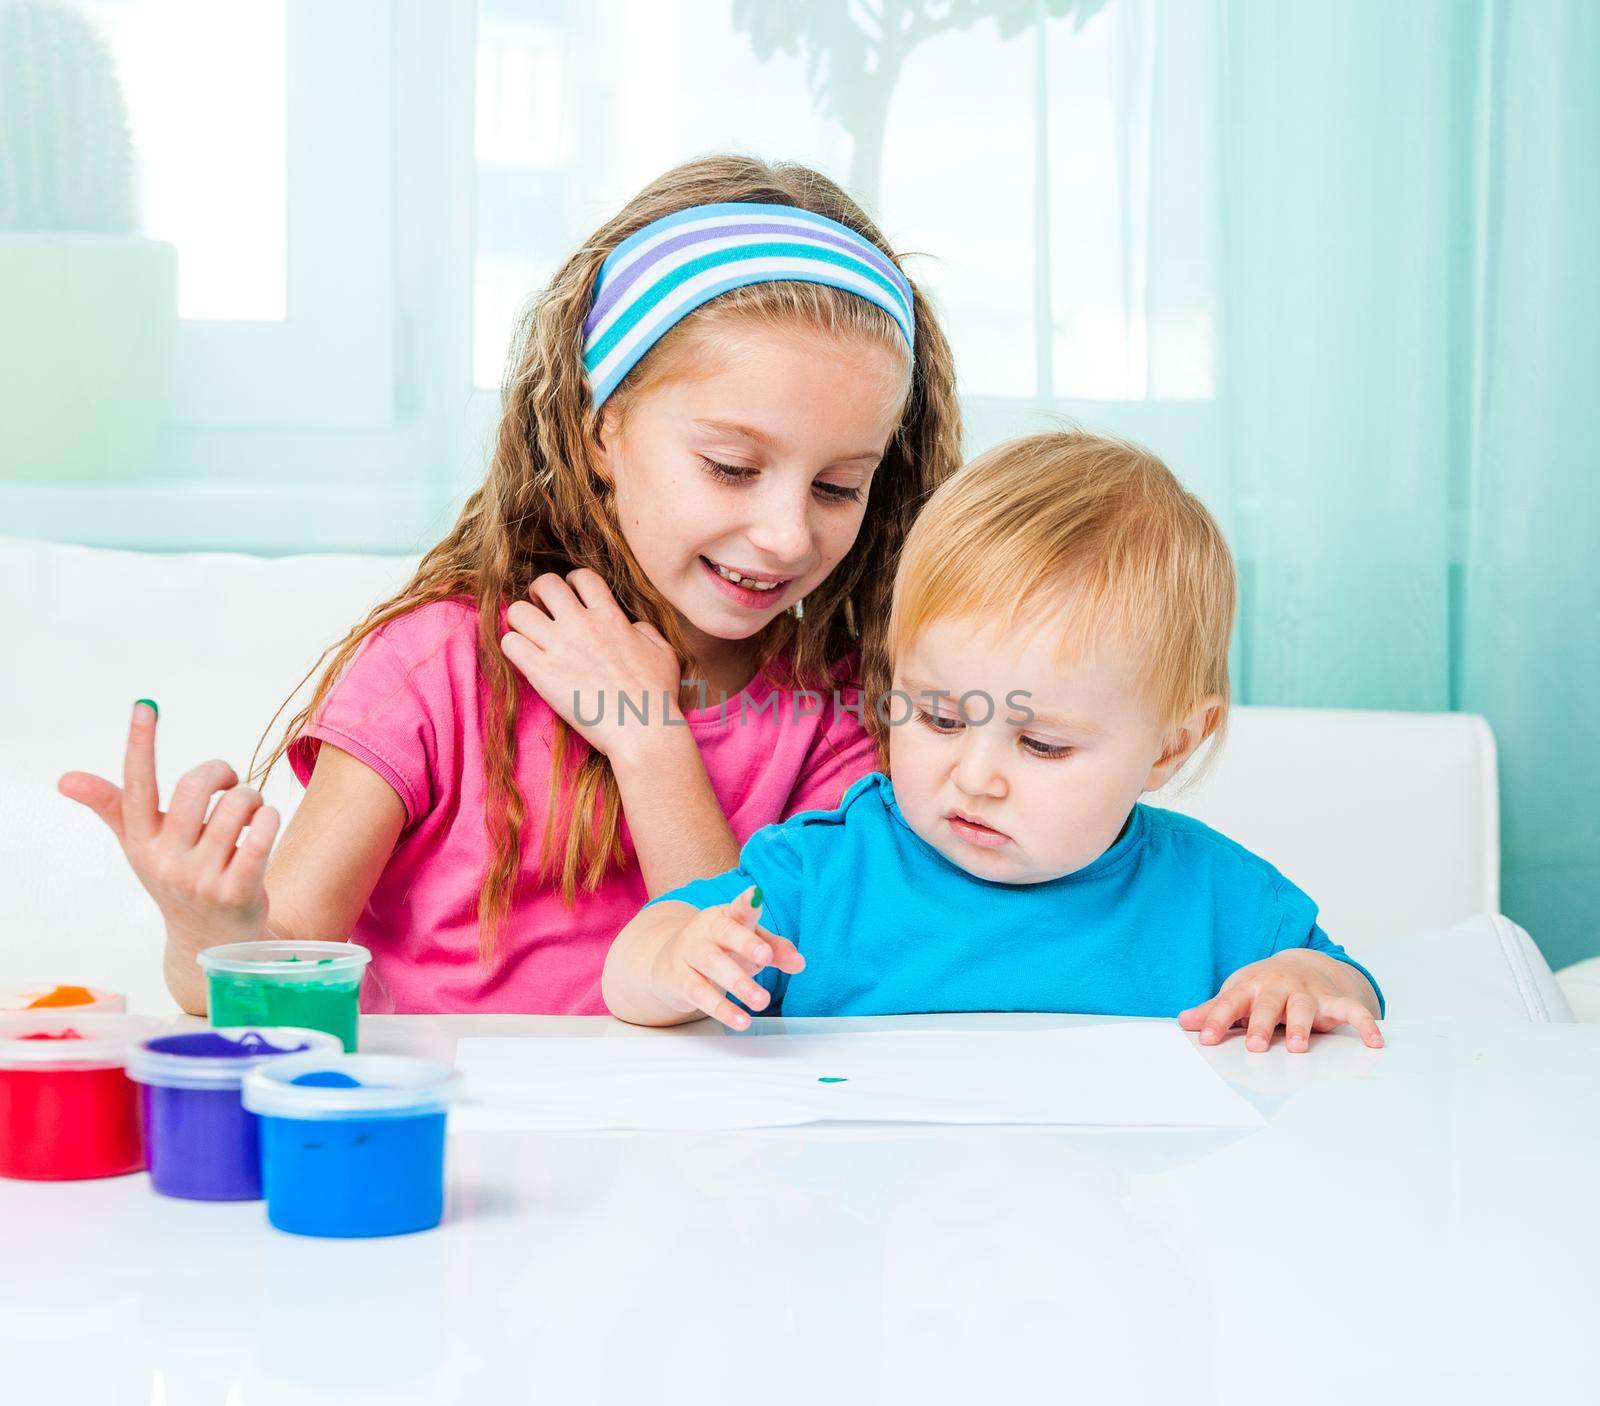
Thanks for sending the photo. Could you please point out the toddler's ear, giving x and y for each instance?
(1183, 739)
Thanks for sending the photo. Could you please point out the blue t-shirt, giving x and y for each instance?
(889, 926)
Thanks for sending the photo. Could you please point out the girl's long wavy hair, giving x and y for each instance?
(546, 506)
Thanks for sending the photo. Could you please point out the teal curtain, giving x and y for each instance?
(1408, 351)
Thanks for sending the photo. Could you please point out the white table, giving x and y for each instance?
(1415, 1224)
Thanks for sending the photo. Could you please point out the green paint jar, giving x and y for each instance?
(314, 985)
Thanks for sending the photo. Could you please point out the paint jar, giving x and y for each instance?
(352, 1145)
(77, 999)
(67, 1107)
(200, 1141)
(308, 985)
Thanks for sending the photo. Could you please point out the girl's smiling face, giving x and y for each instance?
(756, 464)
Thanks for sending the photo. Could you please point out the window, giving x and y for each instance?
(261, 136)
(1014, 148)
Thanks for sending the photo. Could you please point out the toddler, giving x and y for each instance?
(1059, 641)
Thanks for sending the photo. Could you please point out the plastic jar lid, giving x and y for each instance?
(17, 999)
(43, 1040)
(286, 961)
(386, 1086)
(178, 1060)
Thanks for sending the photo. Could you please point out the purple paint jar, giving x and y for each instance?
(200, 1142)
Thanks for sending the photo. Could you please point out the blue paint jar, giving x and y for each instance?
(200, 1142)
(352, 1145)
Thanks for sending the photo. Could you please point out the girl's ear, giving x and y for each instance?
(1183, 739)
(607, 436)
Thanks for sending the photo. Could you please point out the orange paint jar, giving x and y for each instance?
(77, 999)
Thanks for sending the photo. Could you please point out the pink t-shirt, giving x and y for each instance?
(411, 705)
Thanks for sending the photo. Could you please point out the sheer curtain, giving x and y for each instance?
(1410, 338)
(1334, 261)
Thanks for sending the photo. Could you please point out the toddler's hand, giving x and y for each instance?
(577, 648)
(717, 951)
(1301, 991)
(208, 886)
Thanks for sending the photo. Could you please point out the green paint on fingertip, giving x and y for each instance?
(755, 896)
(149, 703)
(833, 1079)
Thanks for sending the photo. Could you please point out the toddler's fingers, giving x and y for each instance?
(1301, 1011)
(1195, 1016)
(103, 798)
(140, 804)
(785, 955)
(746, 908)
(719, 967)
(1226, 1008)
(703, 996)
(1346, 1010)
(1265, 1015)
(734, 936)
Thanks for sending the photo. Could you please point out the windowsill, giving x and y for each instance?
(185, 516)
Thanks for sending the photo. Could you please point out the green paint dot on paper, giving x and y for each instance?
(833, 1079)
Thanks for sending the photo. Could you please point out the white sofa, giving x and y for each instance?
(1388, 819)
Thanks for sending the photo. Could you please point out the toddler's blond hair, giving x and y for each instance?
(1093, 528)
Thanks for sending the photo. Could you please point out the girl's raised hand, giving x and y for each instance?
(719, 950)
(1300, 990)
(210, 887)
(572, 642)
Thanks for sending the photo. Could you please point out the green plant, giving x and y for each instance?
(66, 161)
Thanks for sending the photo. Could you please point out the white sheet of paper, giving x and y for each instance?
(1121, 1075)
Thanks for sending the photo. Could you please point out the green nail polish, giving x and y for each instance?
(755, 897)
(149, 703)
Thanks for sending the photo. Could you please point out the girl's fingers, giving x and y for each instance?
(1301, 1011)
(187, 812)
(246, 872)
(590, 588)
(1226, 1008)
(140, 807)
(553, 593)
(703, 996)
(525, 656)
(527, 623)
(229, 817)
(100, 795)
(1265, 1016)
(649, 631)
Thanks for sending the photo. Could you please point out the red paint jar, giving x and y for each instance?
(67, 1107)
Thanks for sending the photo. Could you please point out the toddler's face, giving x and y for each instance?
(1010, 800)
(759, 464)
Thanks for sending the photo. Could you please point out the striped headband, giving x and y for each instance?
(663, 272)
